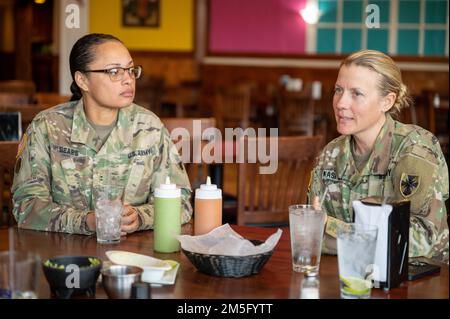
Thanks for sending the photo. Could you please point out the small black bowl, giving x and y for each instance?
(63, 280)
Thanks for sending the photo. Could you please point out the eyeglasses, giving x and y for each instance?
(117, 73)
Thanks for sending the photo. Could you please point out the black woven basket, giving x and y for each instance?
(229, 266)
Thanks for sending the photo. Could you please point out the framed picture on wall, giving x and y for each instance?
(140, 13)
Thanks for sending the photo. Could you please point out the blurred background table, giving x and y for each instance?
(276, 280)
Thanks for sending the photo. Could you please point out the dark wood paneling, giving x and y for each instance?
(42, 22)
(45, 72)
(174, 67)
(216, 76)
(22, 39)
(7, 62)
(219, 75)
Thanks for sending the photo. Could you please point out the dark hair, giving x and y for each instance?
(82, 54)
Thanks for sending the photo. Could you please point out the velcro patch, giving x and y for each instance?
(409, 184)
(146, 152)
(65, 150)
(329, 175)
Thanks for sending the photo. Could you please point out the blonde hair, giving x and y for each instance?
(391, 76)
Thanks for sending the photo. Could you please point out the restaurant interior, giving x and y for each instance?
(230, 64)
(237, 64)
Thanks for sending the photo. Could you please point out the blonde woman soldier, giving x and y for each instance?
(378, 156)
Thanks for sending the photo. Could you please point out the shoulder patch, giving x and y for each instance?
(409, 184)
(22, 144)
(18, 165)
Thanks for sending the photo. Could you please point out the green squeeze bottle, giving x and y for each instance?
(167, 223)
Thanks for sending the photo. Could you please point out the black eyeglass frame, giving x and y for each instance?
(139, 67)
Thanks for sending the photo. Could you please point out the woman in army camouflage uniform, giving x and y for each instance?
(99, 138)
(378, 156)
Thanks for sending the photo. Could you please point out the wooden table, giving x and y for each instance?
(275, 281)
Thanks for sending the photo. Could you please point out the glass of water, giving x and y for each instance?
(19, 275)
(108, 213)
(306, 228)
(356, 244)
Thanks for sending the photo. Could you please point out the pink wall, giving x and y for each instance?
(257, 26)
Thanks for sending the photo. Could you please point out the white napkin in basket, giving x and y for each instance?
(224, 240)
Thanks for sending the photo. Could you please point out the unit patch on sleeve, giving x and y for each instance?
(409, 184)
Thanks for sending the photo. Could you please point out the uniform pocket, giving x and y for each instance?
(338, 199)
(78, 175)
(139, 182)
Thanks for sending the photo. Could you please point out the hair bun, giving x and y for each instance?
(403, 99)
(76, 92)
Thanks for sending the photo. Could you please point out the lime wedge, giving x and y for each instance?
(356, 286)
(172, 263)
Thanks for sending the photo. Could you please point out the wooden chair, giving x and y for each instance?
(149, 93)
(437, 107)
(188, 99)
(18, 86)
(263, 199)
(50, 98)
(8, 151)
(15, 98)
(296, 113)
(421, 112)
(197, 170)
(232, 108)
(429, 111)
(172, 123)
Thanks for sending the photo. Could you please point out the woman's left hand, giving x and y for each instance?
(130, 220)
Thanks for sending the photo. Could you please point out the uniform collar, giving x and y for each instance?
(123, 132)
(378, 161)
(84, 133)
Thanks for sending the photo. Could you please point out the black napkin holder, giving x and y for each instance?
(397, 241)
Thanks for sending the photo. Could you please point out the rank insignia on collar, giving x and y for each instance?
(409, 184)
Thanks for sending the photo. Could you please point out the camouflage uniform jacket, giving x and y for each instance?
(407, 162)
(61, 160)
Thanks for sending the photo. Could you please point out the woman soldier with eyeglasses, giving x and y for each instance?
(99, 138)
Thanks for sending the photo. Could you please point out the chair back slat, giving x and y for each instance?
(296, 114)
(14, 98)
(18, 86)
(197, 172)
(265, 198)
(232, 108)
